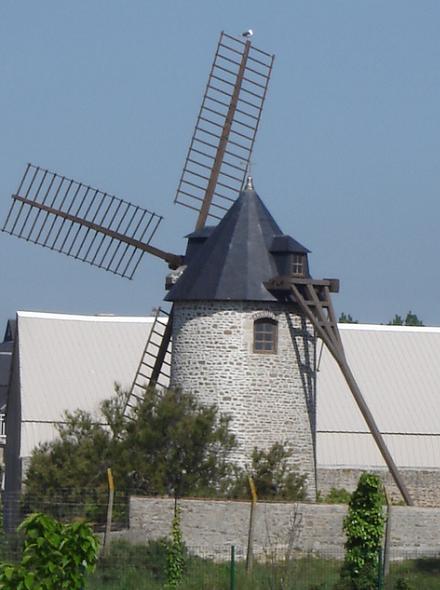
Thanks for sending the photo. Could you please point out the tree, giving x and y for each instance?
(411, 319)
(69, 473)
(173, 445)
(273, 475)
(177, 446)
(346, 319)
(364, 527)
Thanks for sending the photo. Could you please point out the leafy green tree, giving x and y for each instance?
(410, 319)
(364, 528)
(55, 556)
(70, 472)
(345, 318)
(273, 475)
(173, 445)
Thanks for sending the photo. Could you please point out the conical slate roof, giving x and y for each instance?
(236, 259)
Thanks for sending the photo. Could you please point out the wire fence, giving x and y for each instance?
(68, 504)
(130, 566)
(141, 566)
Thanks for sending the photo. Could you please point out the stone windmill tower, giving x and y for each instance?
(246, 312)
(237, 344)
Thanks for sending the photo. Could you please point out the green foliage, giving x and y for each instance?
(410, 320)
(174, 446)
(345, 318)
(403, 584)
(337, 496)
(55, 556)
(143, 567)
(71, 471)
(175, 554)
(131, 565)
(208, 574)
(177, 446)
(273, 475)
(364, 527)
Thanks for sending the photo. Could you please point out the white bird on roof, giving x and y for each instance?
(248, 33)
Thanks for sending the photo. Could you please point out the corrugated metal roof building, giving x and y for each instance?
(398, 372)
(64, 362)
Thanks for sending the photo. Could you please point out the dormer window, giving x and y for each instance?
(265, 336)
(297, 265)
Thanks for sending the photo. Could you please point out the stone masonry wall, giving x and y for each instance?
(422, 484)
(271, 397)
(210, 527)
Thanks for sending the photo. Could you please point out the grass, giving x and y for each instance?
(140, 567)
(131, 567)
(420, 574)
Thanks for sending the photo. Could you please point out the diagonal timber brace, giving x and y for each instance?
(313, 298)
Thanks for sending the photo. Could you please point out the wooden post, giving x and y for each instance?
(108, 527)
(249, 554)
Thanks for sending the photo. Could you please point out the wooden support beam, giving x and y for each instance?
(321, 315)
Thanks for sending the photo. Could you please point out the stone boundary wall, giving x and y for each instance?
(210, 526)
(422, 484)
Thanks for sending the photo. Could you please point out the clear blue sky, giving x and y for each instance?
(347, 157)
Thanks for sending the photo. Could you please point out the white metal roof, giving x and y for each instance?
(398, 371)
(68, 362)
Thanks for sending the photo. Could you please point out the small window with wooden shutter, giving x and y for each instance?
(265, 335)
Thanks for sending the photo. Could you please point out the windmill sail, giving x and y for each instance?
(155, 363)
(82, 222)
(224, 135)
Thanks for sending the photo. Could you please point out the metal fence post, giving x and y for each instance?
(380, 579)
(232, 569)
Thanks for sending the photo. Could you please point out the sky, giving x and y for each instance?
(346, 158)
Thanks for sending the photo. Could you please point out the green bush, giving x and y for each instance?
(55, 556)
(364, 527)
(403, 584)
(273, 476)
(337, 496)
(175, 554)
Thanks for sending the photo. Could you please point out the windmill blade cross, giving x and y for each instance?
(83, 222)
(222, 143)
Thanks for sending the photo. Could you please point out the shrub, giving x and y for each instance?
(55, 556)
(364, 527)
(175, 554)
(273, 475)
(337, 496)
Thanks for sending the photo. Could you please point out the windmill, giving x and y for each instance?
(89, 224)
